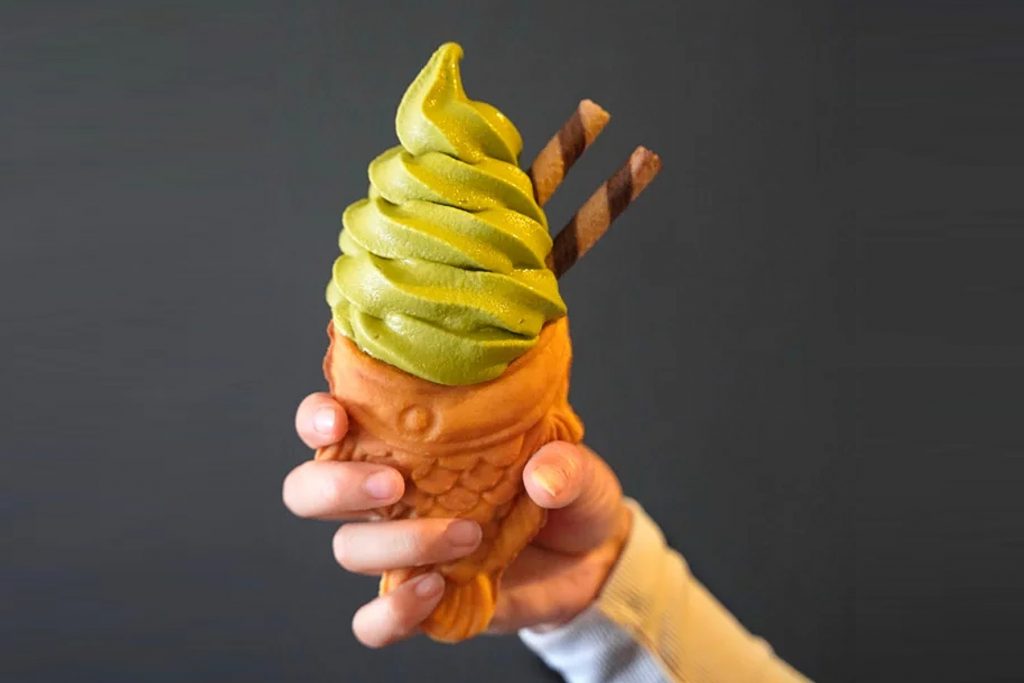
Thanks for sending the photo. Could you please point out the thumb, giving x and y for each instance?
(580, 490)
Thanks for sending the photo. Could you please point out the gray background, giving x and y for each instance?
(800, 349)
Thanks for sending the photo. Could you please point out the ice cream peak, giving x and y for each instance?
(436, 116)
(442, 269)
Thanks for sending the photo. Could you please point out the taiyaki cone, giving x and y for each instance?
(461, 450)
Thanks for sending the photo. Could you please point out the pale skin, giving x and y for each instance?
(555, 578)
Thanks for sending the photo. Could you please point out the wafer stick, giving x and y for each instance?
(594, 218)
(562, 151)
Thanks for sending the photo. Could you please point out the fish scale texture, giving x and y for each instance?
(461, 451)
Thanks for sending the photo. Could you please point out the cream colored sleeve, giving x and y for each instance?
(655, 622)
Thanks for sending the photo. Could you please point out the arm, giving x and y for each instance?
(553, 579)
(628, 607)
(653, 621)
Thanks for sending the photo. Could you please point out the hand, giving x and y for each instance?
(554, 578)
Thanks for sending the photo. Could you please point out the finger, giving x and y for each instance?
(320, 420)
(396, 615)
(555, 474)
(373, 548)
(335, 490)
(595, 496)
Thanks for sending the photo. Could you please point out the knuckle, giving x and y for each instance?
(287, 495)
(342, 548)
(368, 641)
(416, 544)
(376, 624)
(409, 545)
(331, 490)
(291, 490)
(363, 633)
(303, 415)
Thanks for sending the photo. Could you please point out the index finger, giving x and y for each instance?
(320, 420)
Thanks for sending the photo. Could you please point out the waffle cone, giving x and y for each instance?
(461, 450)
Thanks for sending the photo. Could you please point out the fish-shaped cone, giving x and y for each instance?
(462, 450)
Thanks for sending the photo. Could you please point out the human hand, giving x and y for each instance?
(553, 579)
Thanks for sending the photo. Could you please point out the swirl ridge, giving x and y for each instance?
(442, 270)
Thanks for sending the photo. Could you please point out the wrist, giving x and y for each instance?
(607, 555)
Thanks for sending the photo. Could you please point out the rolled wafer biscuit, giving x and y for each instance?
(594, 218)
(568, 144)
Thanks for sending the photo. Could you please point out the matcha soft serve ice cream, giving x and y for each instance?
(442, 271)
(449, 342)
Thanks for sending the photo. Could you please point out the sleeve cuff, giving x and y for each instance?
(600, 644)
(653, 617)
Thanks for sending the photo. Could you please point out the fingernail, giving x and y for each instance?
(463, 532)
(381, 485)
(550, 478)
(324, 421)
(429, 586)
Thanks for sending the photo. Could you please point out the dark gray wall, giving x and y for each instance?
(791, 349)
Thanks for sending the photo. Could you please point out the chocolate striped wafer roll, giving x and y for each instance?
(596, 215)
(562, 151)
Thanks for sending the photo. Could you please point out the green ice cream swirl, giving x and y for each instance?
(442, 270)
